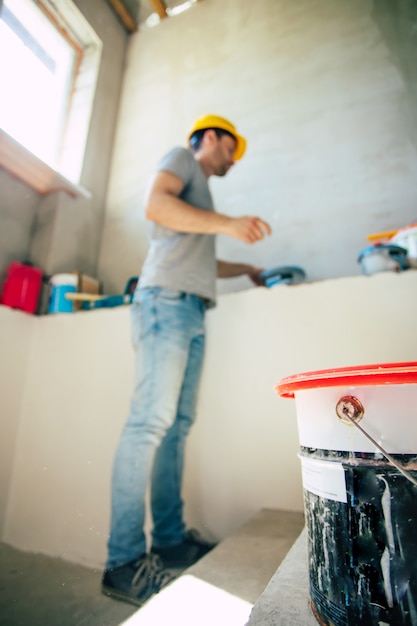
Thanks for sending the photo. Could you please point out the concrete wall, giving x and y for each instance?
(57, 232)
(326, 92)
(397, 21)
(63, 418)
(317, 88)
(18, 208)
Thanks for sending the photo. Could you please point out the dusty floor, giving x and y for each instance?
(36, 590)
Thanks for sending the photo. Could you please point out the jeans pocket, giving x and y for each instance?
(170, 295)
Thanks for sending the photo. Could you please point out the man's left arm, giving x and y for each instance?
(231, 270)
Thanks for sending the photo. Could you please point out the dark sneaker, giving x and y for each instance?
(136, 581)
(186, 553)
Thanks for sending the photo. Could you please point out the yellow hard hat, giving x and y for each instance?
(215, 121)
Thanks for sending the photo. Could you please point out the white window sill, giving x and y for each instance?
(28, 168)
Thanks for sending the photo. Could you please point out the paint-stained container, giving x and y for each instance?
(357, 430)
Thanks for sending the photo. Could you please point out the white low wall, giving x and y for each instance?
(65, 417)
(16, 332)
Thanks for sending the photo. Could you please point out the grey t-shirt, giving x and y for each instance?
(183, 261)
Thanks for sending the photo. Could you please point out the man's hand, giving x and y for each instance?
(226, 269)
(249, 229)
(254, 274)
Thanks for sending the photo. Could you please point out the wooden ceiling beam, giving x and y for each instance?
(124, 15)
(159, 8)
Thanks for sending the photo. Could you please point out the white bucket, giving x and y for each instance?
(358, 437)
(407, 238)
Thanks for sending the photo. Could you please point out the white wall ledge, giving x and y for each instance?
(34, 172)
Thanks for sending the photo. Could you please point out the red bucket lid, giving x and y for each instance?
(360, 375)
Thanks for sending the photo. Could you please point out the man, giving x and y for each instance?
(176, 286)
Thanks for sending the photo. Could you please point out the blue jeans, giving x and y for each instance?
(168, 337)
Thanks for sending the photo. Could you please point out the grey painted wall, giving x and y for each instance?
(18, 208)
(320, 93)
(398, 24)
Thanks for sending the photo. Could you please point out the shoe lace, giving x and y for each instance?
(150, 573)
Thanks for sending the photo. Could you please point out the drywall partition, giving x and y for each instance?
(75, 400)
(317, 89)
(16, 332)
(242, 452)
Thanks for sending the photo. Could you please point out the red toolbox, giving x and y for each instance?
(22, 286)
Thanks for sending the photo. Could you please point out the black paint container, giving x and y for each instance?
(358, 449)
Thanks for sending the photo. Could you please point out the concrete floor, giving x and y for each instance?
(37, 590)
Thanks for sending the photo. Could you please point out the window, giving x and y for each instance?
(49, 61)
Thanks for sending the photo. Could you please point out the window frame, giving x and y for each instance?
(23, 164)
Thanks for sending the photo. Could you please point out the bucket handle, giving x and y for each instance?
(350, 410)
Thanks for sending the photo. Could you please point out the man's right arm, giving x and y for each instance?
(164, 207)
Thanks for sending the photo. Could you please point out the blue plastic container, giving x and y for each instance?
(285, 275)
(61, 284)
(383, 258)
